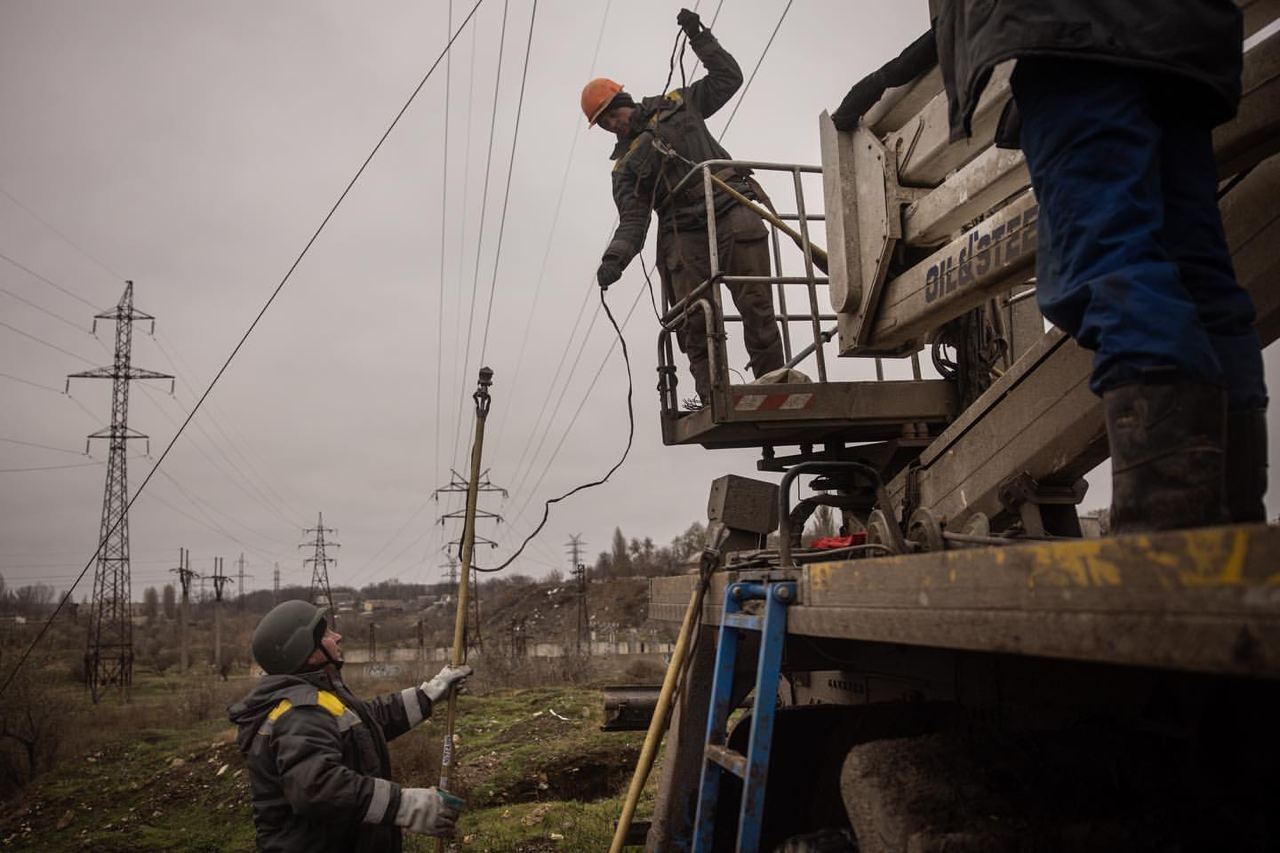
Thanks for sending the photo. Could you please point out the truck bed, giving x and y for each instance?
(1204, 600)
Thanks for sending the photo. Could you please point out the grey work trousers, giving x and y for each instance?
(743, 249)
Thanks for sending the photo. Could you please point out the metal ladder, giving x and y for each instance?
(718, 758)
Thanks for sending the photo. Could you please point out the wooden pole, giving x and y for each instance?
(658, 723)
(481, 396)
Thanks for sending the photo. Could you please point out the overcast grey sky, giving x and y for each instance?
(193, 147)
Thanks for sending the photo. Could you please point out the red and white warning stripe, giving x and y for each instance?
(771, 402)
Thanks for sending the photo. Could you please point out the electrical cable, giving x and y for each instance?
(484, 202)
(38, 218)
(54, 284)
(239, 344)
(45, 343)
(546, 253)
(564, 435)
(44, 310)
(49, 467)
(41, 446)
(631, 433)
(759, 61)
(506, 194)
(32, 384)
(444, 209)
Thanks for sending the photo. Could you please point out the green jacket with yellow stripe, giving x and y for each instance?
(643, 175)
(319, 770)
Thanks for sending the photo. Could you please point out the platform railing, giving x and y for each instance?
(708, 297)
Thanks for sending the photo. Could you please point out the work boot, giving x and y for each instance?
(1246, 466)
(1167, 468)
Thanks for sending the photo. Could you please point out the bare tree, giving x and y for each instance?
(170, 599)
(32, 600)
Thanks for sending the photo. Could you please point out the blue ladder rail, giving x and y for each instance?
(718, 758)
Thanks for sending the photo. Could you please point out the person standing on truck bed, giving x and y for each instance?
(657, 140)
(319, 771)
(1113, 105)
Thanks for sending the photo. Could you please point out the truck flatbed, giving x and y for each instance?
(1204, 600)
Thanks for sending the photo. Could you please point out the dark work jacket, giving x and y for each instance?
(319, 770)
(643, 177)
(1197, 41)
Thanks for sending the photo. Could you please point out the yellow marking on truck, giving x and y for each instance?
(1207, 565)
(1072, 564)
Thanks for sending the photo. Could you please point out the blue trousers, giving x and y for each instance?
(1133, 262)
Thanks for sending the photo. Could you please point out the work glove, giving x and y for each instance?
(861, 97)
(609, 272)
(429, 811)
(689, 22)
(444, 681)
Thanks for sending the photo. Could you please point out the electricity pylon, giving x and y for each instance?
(578, 572)
(109, 655)
(319, 561)
(459, 484)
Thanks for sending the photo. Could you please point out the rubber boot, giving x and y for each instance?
(1167, 465)
(1247, 466)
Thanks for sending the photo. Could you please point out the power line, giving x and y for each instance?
(54, 284)
(444, 208)
(506, 194)
(43, 342)
(41, 446)
(32, 384)
(38, 218)
(631, 434)
(253, 325)
(555, 221)
(599, 370)
(44, 310)
(49, 467)
(768, 44)
(484, 201)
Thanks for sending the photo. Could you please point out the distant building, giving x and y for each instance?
(383, 605)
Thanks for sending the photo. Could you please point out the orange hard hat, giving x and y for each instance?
(596, 97)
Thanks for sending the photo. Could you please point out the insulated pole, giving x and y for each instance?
(481, 396)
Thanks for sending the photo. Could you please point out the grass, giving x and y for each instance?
(535, 769)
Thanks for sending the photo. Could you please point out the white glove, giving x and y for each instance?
(444, 681)
(428, 811)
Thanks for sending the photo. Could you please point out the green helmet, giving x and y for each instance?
(287, 636)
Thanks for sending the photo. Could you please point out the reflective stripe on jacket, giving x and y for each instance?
(319, 770)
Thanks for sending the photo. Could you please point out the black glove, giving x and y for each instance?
(689, 22)
(608, 273)
(861, 98)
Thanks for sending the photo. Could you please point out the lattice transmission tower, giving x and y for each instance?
(109, 654)
(319, 561)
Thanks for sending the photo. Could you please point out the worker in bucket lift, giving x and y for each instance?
(1113, 106)
(658, 139)
(319, 771)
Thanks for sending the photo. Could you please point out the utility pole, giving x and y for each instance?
(319, 561)
(219, 583)
(275, 585)
(240, 576)
(184, 579)
(373, 642)
(578, 571)
(482, 400)
(109, 653)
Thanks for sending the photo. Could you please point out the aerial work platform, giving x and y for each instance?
(817, 413)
